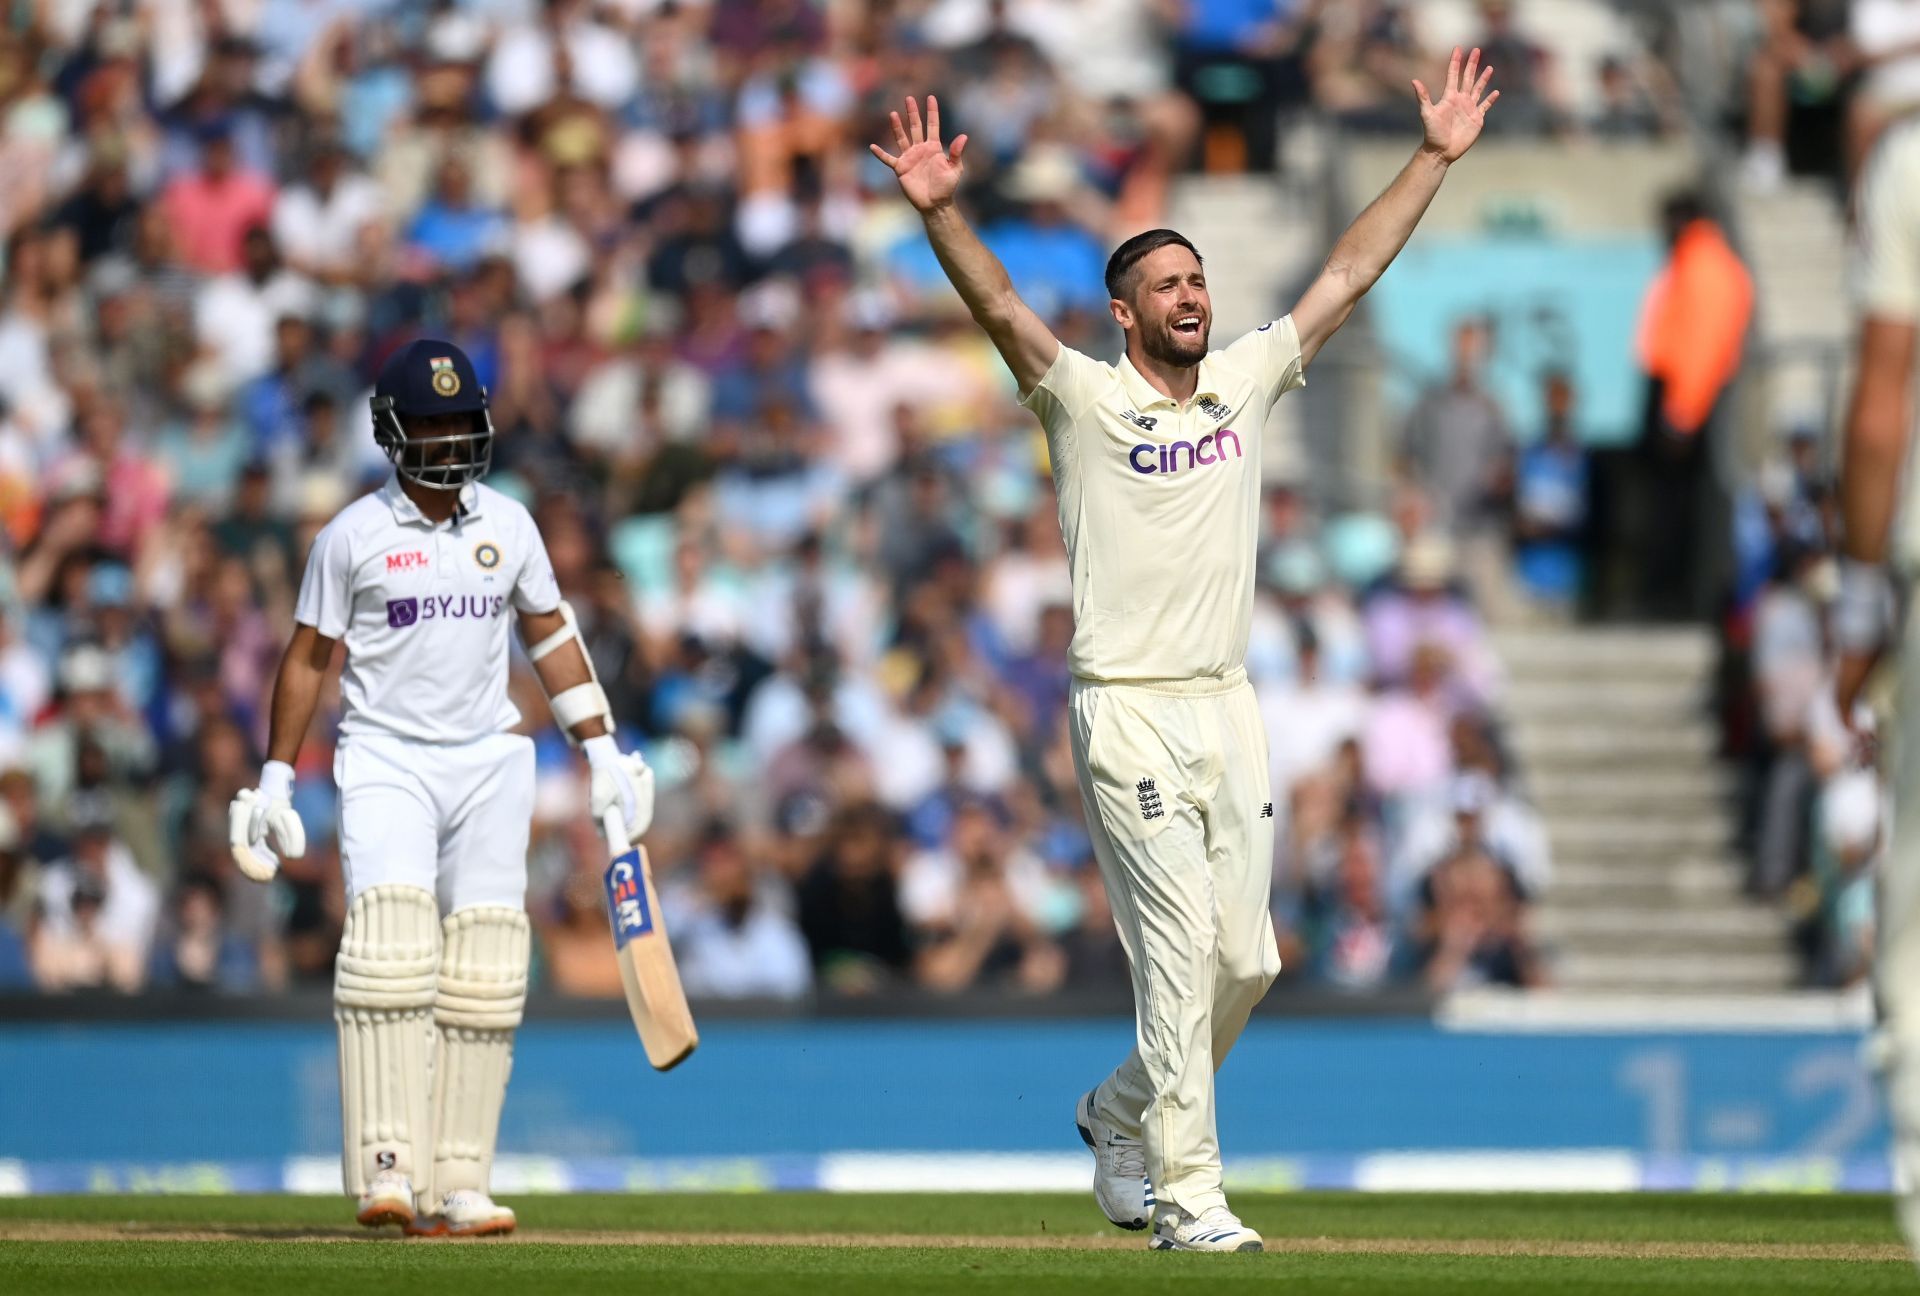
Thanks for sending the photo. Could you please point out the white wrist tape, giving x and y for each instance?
(583, 701)
(1863, 609)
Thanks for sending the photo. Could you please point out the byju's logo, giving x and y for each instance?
(402, 613)
(627, 907)
(1209, 449)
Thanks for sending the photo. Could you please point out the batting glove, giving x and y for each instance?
(621, 781)
(262, 825)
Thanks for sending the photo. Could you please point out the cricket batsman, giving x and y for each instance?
(1882, 535)
(421, 579)
(1156, 465)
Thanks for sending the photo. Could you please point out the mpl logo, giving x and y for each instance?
(1210, 449)
(412, 560)
(627, 907)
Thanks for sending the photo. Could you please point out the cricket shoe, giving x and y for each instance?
(1214, 1229)
(464, 1212)
(387, 1200)
(1119, 1168)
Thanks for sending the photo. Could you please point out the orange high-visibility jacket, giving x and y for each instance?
(1692, 324)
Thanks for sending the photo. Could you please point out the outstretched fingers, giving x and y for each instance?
(959, 143)
(933, 119)
(1472, 73)
(1489, 102)
(900, 140)
(1453, 71)
(1426, 100)
(914, 126)
(1480, 86)
(884, 156)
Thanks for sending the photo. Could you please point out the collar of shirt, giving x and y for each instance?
(405, 511)
(1145, 395)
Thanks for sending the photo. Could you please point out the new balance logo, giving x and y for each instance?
(1266, 810)
(1149, 795)
(1139, 420)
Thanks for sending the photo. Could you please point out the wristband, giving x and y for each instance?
(276, 781)
(1863, 609)
(600, 748)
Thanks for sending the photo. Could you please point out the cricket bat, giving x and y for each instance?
(647, 969)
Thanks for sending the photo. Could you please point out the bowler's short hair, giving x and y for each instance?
(1125, 257)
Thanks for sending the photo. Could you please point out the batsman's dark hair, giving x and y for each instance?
(1128, 255)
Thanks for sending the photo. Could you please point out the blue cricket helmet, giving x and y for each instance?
(426, 379)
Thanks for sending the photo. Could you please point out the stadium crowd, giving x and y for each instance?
(810, 533)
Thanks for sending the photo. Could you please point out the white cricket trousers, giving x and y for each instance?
(450, 818)
(1173, 775)
(1897, 964)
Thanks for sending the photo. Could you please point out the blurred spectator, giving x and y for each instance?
(1456, 438)
(211, 209)
(1405, 742)
(732, 934)
(1803, 58)
(1532, 101)
(1422, 607)
(1355, 940)
(850, 904)
(1471, 928)
(1791, 680)
(1852, 835)
(981, 911)
(198, 952)
(98, 919)
(1550, 504)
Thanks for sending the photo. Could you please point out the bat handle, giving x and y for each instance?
(616, 830)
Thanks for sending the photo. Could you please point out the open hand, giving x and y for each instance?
(928, 173)
(1454, 122)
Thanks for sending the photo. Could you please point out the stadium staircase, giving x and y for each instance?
(1611, 730)
(1795, 240)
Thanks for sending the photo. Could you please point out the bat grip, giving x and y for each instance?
(616, 830)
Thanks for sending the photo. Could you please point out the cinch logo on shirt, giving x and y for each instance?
(413, 560)
(403, 612)
(1210, 449)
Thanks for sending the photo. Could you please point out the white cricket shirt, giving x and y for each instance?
(426, 610)
(1886, 281)
(1160, 505)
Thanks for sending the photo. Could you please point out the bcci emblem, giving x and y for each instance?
(486, 553)
(445, 381)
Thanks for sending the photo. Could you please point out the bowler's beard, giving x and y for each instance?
(1166, 346)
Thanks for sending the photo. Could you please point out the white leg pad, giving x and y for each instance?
(482, 993)
(383, 986)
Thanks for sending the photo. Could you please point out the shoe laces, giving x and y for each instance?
(466, 1197)
(1129, 1157)
(1216, 1217)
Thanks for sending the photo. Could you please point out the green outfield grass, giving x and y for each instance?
(804, 1243)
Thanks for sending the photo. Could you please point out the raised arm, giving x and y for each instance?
(929, 175)
(1377, 234)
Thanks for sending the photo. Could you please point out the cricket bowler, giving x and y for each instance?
(420, 579)
(1882, 536)
(1156, 465)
